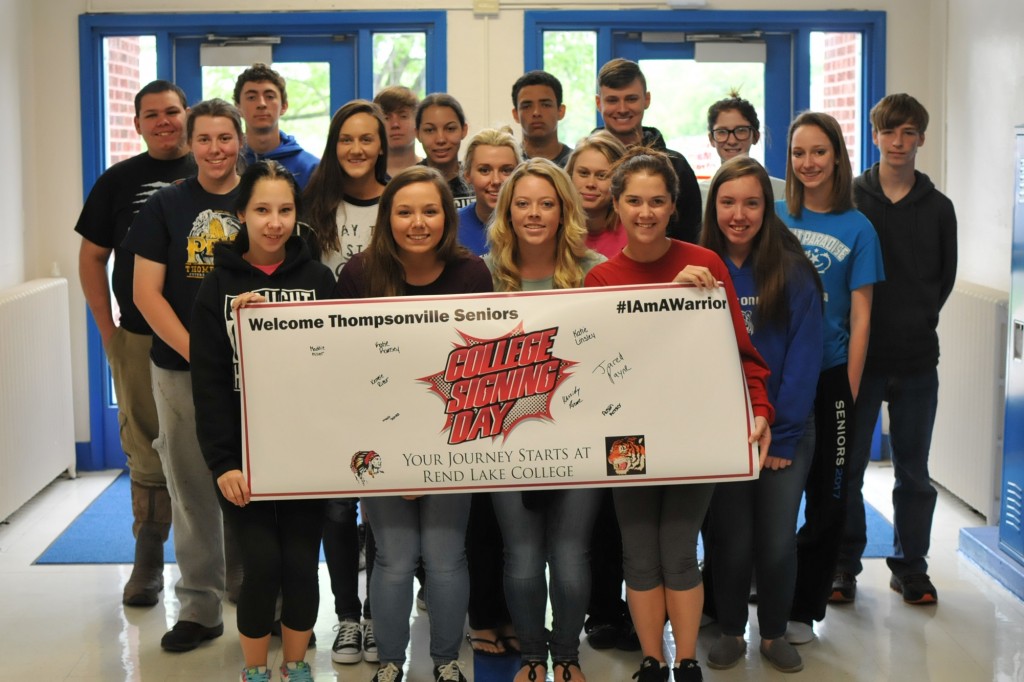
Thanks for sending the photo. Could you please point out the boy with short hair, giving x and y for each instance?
(399, 106)
(916, 226)
(537, 107)
(160, 114)
(622, 99)
(262, 98)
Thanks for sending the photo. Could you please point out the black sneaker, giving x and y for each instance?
(627, 639)
(600, 634)
(449, 672)
(651, 670)
(186, 635)
(348, 645)
(916, 588)
(688, 671)
(844, 588)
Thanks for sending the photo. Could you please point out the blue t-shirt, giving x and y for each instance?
(472, 232)
(844, 249)
(792, 350)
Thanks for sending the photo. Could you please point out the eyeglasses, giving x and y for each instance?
(740, 132)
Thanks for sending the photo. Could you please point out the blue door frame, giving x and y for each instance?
(178, 60)
(788, 35)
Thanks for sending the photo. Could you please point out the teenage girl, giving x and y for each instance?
(342, 195)
(733, 128)
(659, 524)
(441, 127)
(843, 247)
(589, 167)
(342, 198)
(537, 243)
(414, 250)
(172, 238)
(754, 521)
(280, 540)
(491, 156)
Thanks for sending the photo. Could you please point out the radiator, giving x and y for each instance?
(967, 443)
(37, 435)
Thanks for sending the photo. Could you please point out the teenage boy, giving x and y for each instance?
(398, 103)
(262, 99)
(160, 113)
(622, 98)
(916, 225)
(537, 107)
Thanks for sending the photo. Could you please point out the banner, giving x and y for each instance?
(552, 389)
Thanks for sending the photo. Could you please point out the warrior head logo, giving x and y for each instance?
(366, 463)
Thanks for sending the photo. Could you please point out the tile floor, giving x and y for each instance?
(66, 622)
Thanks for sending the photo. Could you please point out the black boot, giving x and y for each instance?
(151, 507)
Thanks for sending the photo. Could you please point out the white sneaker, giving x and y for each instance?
(348, 645)
(799, 633)
(369, 643)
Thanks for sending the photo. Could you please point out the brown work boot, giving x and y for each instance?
(152, 509)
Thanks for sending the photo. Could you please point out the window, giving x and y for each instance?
(801, 51)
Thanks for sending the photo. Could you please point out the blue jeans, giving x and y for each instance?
(912, 400)
(558, 532)
(754, 526)
(432, 527)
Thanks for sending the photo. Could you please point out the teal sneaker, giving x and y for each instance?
(296, 671)
(257, 673)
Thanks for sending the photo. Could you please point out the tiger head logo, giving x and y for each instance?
(627, 455)
(366, 463)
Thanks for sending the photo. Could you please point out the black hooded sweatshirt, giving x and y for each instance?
(919, 250)
(685, 222)
(214, 359)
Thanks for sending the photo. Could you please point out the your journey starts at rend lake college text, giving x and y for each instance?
(529, 464)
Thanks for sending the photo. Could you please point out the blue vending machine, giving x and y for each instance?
(1011, 518)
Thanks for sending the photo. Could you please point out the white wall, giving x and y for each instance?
(984, 101)
(485, 57)
(15, 39)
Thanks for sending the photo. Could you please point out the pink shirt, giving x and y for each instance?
(608, 244)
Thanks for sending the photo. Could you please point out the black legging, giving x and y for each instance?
(280, 542)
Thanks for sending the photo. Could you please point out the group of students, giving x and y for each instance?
(371, 219)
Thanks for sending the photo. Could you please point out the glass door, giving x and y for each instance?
(686, 73)
(319, 72)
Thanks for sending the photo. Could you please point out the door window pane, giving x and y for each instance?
(400, 59)
(129, 62)
(836, 68)
(681, 92)
(571, 56)
(309, 98)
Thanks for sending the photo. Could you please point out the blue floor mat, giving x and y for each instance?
(102, 534)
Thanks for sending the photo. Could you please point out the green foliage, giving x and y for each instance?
(400, 59)
(571, 56)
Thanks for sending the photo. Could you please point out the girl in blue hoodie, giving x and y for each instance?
(753, 522)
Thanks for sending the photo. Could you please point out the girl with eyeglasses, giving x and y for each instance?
(733, 128)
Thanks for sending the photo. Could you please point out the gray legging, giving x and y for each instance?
(659, 527)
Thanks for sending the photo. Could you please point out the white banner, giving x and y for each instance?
(433, 394)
